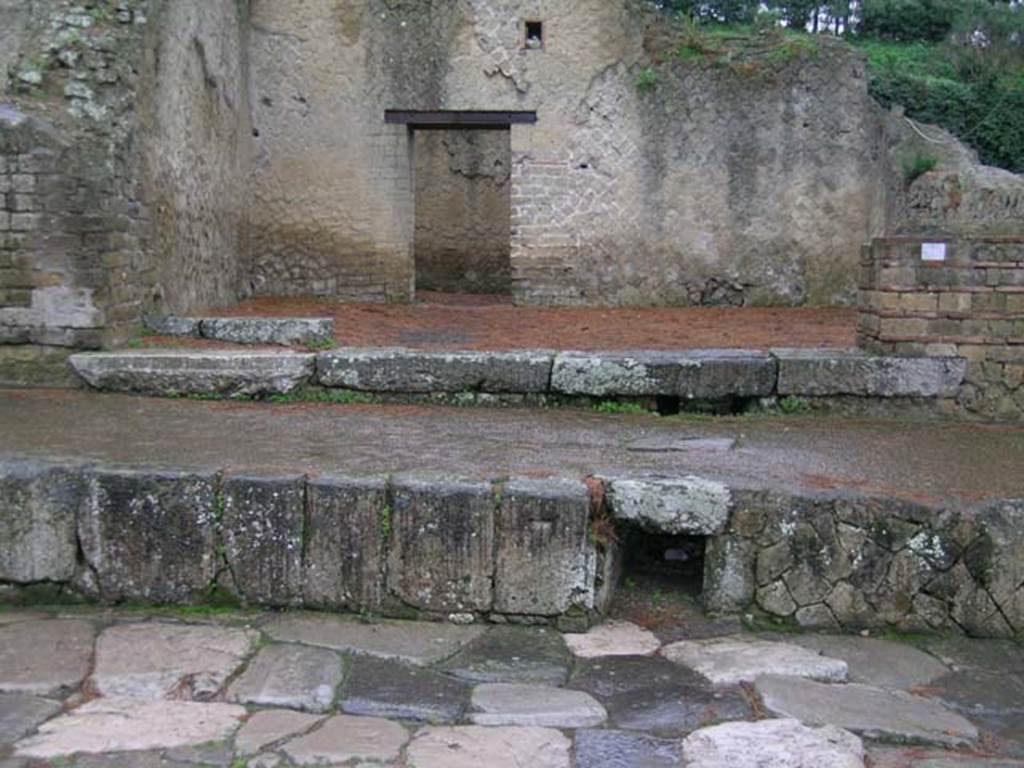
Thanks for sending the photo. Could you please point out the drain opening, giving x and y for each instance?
(669, 566)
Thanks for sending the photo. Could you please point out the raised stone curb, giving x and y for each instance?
(195, 372)
(413, 371)
(813, 374)
(247, 330)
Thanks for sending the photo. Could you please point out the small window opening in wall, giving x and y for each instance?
(662, 574)
(534, 34)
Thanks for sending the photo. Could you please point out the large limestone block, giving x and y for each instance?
(268, 330)
(406, 370)
(128, 725)
(733, 660)
(262, 529)
(149, 535)
(711, 374)
(545, 562)
(475, 746)
(45, 657)
(37, 521)
(772, 744)
(534, 705)
(195, 372)
(812, 374)
(345, 531)
(442, 546)
(292, 676)
(687, 505)
(610, 374)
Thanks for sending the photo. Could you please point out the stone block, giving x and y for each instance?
(268, 330)
(820, 374)
(412, 371)
(442, 545)
(726, 373)
(687, 505)
(194, 372)
(149, 535)
(37, 521)
(262, 530)
(615, 374)
(545, 562)
(345, 537)
(729, 581)
(172, 325)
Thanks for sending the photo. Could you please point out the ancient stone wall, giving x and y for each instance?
(463, 211)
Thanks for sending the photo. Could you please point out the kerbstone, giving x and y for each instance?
(128, 725)
(421, 643)
(343, 738)
(475, 746)
(874, 713)
(168, 661)
(415, 371)
(712, 374)
(195, 372)
(268, 330)
(172, 325)
(623, 749)
(290, 676)
(269, 727)
(689, 505)
(828, 374)
(45, 657)
(21, 714)
(613, 638)
(37, 522)
(387, 688)
(607, 374)
(881, 663)
(513, 655)
(733, 660)
(534, 705)
(775, 743)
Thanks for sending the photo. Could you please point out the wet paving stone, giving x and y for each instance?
(269, 727)
(480, 747)
(881, 663)
(654, 695)
(625, 749)
(293, 676)
(513, 655)
(534, 705)
(342, 739)
(775, 743)
(47, 658)
(21, 714)
(613, 638)
(384, 688)
(739, 659)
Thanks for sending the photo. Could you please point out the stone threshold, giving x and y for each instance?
(687, 375)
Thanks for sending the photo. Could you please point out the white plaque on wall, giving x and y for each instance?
(933, 251)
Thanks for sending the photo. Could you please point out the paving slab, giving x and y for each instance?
(624, 749)
(128, 725)
(534, 705)
(895, 757)
(421, 643)
(892, 716)
(613, 638)
(20, 714)
(513, 655)
(209, 755)
(733, 660)
(269, 727)
(881, 663)
(774, 744)
(387, 688)
(175, 661)
(654, 695)
(343, 738)
(294, 676)
(45, 657)
(476, 746)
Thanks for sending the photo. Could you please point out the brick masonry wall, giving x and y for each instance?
(971, 305)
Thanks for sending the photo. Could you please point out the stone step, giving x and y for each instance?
(286, 331)
(687, 375)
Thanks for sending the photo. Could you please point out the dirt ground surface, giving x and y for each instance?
(482, 322)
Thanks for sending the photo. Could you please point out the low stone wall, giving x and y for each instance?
(969, 304)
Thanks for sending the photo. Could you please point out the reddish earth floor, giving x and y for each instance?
(440, 321)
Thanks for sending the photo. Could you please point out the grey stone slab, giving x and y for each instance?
(738, 659)
(149, 535)
(421, 643)
(270, 727)
(195, 372)
(476, 746)
(613, 638)
(775, 743)
(21, 714)
(689, 505)
(388, 688)
(130, 725)
(442, 544)
(712, 374)
(343, 738)
(209, 755)
(915, 757)
(545, 562)
(262, 530)
(534, 705)
(49, 657)
(416, 371)
(654, 695)
(268, 330)
(881, 663)
(624, 749)
(168, 661)
(830, 374)
(892, 716)
(292, 676)
(345, 526)
(172, 325)
(615, 374)
(37, 522)
(513, 655)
